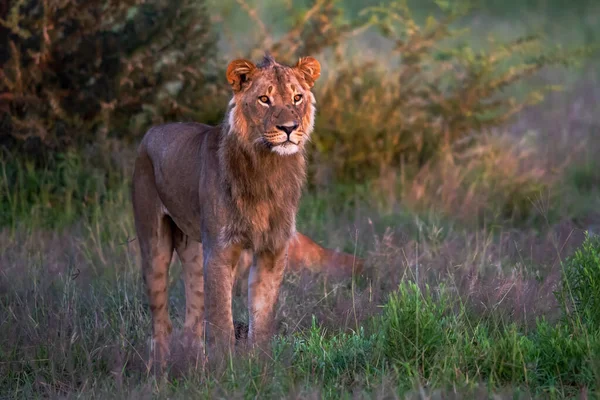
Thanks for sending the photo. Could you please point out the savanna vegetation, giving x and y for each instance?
(455, 149)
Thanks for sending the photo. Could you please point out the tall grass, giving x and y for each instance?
(58, 194)
(581, 289)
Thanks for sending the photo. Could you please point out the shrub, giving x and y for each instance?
(74, 72)
(430, 91)
(70, 76)
(433, 93)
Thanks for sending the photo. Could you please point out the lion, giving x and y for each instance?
(217, 193)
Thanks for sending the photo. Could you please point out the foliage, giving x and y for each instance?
(438, 92)
(75, 72)
(72, 78)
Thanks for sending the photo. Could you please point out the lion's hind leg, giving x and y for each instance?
(154, 234)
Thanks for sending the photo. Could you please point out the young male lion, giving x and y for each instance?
(220, 191)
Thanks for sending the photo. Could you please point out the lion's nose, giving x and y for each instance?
(288, 127)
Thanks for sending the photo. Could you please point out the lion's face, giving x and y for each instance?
(272, 106)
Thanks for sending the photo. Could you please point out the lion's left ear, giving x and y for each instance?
(310, 69)
(238, 72)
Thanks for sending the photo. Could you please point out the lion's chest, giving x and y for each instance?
(262, 222)
(261, 192)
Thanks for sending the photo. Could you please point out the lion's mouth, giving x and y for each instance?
(286, 143)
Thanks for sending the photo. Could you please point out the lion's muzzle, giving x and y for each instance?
(288, 127)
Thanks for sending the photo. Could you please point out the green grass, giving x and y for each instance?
(436, 339)
(580, 295)
(58, 194)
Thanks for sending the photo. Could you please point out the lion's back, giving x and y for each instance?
(176, 154)
(163, 141)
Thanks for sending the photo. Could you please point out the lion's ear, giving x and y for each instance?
(310, 69)
(238, 72)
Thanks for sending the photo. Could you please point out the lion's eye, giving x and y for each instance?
(264, 99)
(297, 98)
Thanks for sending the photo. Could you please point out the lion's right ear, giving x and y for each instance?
(238, 72)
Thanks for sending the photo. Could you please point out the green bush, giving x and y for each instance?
(75, 72)
(580, 292)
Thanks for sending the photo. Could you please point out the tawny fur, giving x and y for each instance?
(305, 254)
(219, 194)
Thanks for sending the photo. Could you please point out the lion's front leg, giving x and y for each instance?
(264, 282)
(219, 267)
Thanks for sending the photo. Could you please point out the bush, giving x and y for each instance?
(580, 292)
(429, 92)
(433, 93)
(74, 72)
(71, 77)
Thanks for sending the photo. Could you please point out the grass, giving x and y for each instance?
(80, 327)
(437, 340)
(67, 188)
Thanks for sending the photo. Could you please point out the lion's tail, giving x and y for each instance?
(304, 253)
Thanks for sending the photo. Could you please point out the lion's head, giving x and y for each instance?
(272, 106)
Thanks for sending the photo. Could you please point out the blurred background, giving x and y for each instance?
(455, 142)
